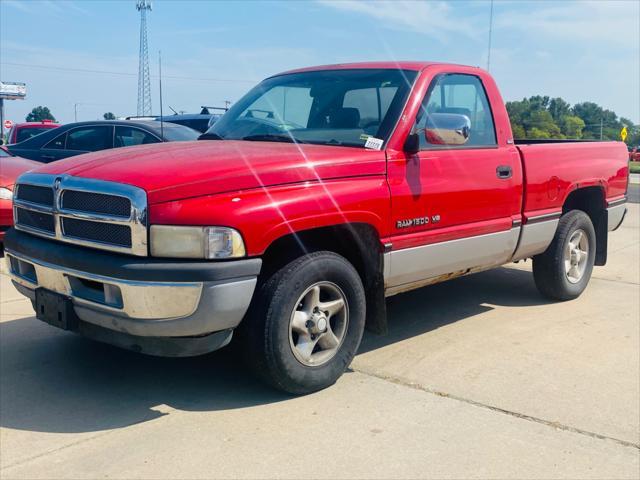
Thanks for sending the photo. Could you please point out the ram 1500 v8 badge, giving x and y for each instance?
(318, 194)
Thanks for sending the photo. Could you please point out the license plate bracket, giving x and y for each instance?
(55, 309)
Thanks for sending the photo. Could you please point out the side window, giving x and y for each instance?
(57, 143)
(128, 136)
(90, 139)
(462, 95)
(372, 105)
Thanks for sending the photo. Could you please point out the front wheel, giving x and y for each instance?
(563, 271)
(305, 326)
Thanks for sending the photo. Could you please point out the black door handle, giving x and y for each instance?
(503, 172)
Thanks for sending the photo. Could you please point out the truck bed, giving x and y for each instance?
(554, 168)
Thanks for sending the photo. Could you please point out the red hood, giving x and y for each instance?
(12, 167)
(171, 171)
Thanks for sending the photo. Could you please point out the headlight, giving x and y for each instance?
(5, 193)
(195, 242)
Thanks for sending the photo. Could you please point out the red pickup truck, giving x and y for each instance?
(24, 131)
(318, 194)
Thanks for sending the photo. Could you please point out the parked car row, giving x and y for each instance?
(31, 144)
(83, 137)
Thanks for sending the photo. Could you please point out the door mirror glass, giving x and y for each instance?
(447, 129)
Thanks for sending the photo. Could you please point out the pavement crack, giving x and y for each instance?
(626, 282)
(49, 452)
(521, 416)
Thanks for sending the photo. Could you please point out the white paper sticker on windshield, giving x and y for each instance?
(374, 143)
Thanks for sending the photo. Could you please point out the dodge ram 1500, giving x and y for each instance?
(318, 194)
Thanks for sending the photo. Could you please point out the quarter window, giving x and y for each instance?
(128, 136)
(462, 95)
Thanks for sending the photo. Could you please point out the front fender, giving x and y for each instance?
(263, 215)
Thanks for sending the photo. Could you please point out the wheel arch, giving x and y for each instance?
(359, 243)
(592, 201)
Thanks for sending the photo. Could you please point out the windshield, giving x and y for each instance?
(26, 133)
(327, 107)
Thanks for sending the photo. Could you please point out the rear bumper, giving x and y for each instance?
(134, 296)
(616, 212)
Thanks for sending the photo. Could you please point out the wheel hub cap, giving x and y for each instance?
(576, 256)
(318, 324)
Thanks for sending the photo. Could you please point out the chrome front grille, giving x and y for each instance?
(88, 212)
(98, 232)
(36, 194)
(96, 203)
(40, 221)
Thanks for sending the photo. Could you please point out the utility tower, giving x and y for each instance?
(144, 80)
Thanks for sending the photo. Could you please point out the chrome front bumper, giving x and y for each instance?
(139, 308)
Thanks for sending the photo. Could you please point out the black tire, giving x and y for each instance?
(549, 270)
(265, 333)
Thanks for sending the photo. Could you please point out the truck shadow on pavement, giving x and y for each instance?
(54, 381)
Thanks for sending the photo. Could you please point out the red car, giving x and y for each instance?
(318, 194)
(10, 168)
(23, 131)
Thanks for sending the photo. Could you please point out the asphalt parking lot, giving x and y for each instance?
(479, 377)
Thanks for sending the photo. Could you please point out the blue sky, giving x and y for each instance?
(215, 50)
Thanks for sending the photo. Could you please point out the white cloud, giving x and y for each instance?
(433, 19)
(610, 23)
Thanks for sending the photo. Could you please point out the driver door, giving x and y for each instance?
(452, 206)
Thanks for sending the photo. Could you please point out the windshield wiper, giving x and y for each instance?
(271, 138)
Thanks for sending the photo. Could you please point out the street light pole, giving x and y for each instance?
(75, 111)
(601, 125)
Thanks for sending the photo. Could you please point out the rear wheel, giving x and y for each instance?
(306, 323)
(563, 271)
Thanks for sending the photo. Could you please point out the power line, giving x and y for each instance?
(126, 74)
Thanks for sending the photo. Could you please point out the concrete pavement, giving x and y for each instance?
(479, 377)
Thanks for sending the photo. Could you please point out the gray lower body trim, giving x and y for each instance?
(535, 238)
(419, 265)
(615, 216)
(145, 309)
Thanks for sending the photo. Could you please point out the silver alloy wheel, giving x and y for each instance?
(318, 324)
(576, 256)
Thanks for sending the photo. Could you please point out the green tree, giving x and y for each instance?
(542, 121)
(38, 114)
(558, 109)
(518, 132)
(109, 116)
(572, 126)
(537, 133)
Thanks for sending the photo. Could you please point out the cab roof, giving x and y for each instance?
(399, 65)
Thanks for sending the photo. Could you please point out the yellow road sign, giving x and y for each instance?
(623, 133)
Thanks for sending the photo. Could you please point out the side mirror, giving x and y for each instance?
(447, 129)
(412, 144)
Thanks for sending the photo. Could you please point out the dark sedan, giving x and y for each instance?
(83, 137)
